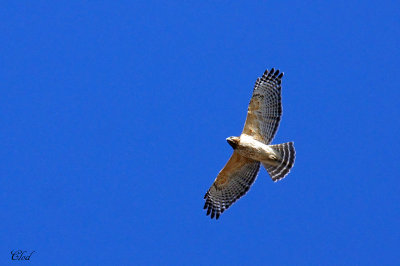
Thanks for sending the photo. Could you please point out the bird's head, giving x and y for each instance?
(233, 141)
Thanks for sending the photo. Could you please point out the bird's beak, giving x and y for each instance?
(232, 143)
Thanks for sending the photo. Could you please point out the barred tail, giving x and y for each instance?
(288, 154)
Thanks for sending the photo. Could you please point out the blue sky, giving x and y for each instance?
(114, 117)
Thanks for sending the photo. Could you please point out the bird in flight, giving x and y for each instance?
(253, 148)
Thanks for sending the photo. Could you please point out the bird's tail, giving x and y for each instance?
(288, 155)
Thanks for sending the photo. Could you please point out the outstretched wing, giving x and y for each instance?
(265, 109)
(232, 182)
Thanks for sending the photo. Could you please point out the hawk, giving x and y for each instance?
(253, 148)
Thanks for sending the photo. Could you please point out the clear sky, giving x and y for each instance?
(114, 116)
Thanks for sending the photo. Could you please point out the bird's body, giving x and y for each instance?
(252, 148)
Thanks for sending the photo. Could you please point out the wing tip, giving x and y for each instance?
(273, 74)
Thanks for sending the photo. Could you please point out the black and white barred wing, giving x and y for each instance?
(265, 109)
(232, 182)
